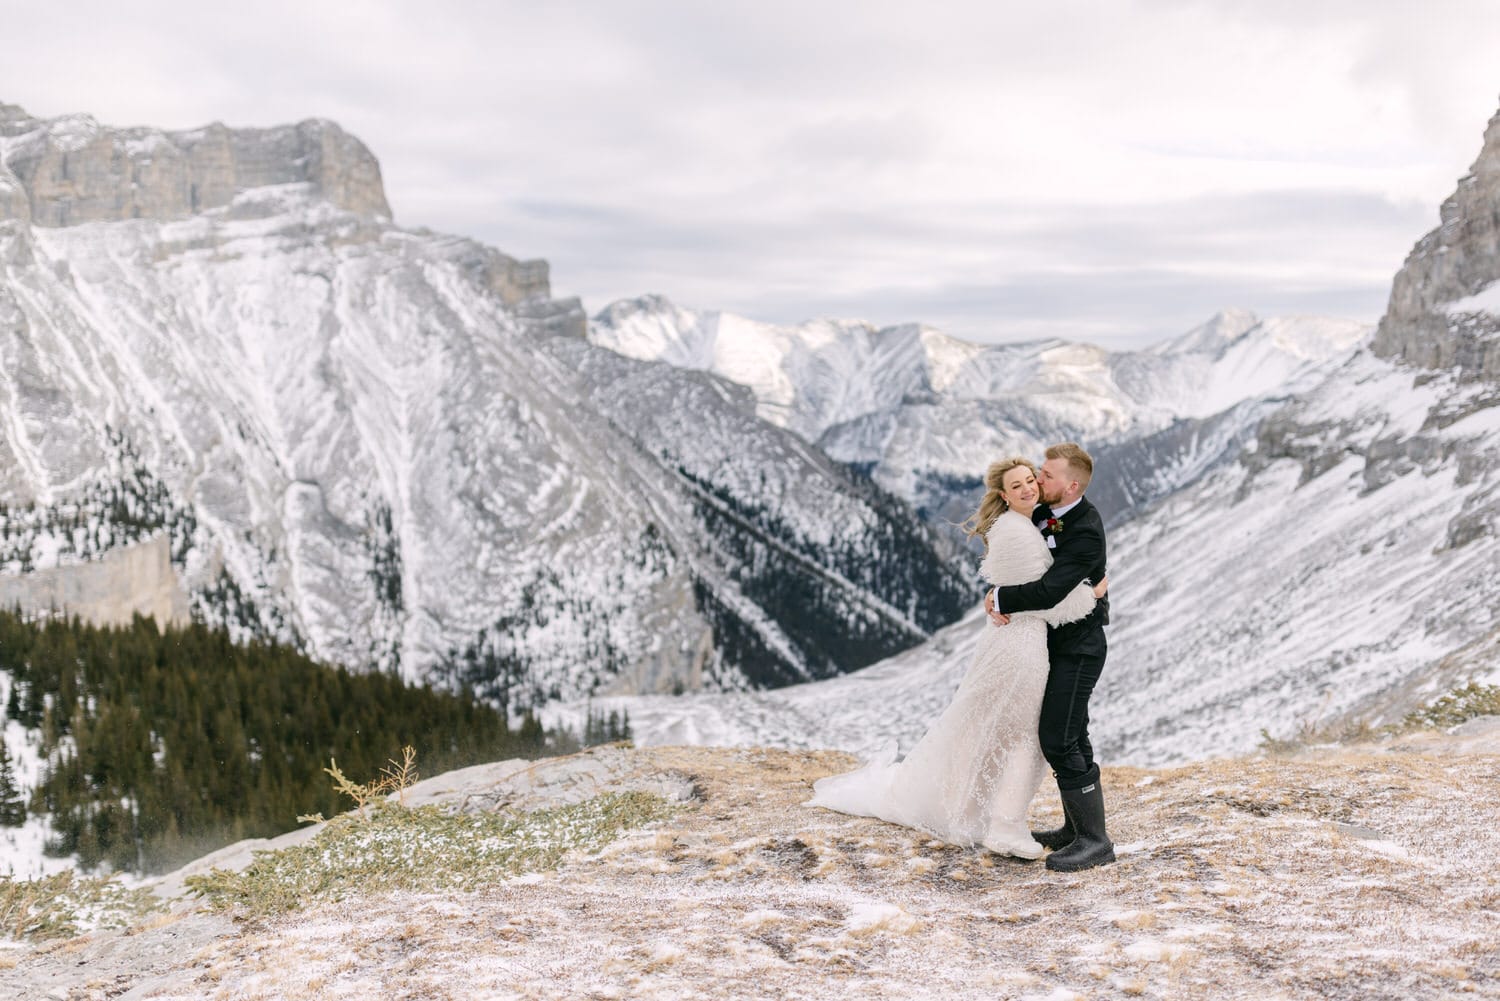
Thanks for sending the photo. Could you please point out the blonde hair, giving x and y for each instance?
(1079, 462)
(993, 505)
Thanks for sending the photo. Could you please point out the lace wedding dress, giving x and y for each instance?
(971, 777)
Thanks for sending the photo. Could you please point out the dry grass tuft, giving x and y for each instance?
(1135, 921)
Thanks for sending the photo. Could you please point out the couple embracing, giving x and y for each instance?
(1023, 705)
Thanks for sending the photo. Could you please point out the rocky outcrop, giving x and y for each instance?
(129, 581)
(14, 203)
(1427, 322)
(72, 170)
(514, 281)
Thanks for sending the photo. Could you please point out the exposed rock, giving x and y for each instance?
(1389, 459)
(72, 170)
(1460, 258)
(403, 451)
(14, 202)
(513, 281)
(1317, 447)
(128, 581)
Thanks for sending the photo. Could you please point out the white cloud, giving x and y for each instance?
(973, 161)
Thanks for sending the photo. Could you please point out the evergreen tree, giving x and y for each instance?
(12, 803)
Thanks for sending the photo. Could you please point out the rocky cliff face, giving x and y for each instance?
(1339, 571)
(72, 170)
(1438, 317)
(132, 580)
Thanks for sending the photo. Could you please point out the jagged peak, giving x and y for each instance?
(1218, 332)
(650, 303)
(1436, 317)
(1488, 161)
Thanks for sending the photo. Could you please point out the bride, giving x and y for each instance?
(971, 777)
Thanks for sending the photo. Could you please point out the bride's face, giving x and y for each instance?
(1019, 488)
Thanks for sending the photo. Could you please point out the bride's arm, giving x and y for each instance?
(1072, 564)
(1076, 604)
(1017, 558)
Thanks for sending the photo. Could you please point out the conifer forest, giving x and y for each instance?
(160, 745)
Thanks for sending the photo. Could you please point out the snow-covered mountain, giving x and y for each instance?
(925, 412)
(394, 447)
(1340, 569)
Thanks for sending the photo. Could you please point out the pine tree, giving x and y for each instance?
(12, 803)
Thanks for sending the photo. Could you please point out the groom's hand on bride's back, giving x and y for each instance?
(998, 618)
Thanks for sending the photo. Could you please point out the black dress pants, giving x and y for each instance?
(1077, 659)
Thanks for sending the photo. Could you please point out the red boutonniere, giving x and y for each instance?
(1054, 526)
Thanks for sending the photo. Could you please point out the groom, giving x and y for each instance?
(1075, 534)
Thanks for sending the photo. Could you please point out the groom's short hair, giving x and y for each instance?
(1079, 461)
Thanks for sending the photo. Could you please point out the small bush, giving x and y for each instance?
(63, 904)
(395, 778)
(1458, 706)
(423, 849)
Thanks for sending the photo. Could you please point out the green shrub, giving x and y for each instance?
(60, 905)
(423, 849)
(1456, 707)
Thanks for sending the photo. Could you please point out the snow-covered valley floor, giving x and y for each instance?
(1363, 872)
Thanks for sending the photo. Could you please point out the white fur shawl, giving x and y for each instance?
(1018, 554)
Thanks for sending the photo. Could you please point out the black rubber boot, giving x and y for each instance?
(1057, 837)
(1091, 846)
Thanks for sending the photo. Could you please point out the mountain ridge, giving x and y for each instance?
(887, 399)
(377, 443)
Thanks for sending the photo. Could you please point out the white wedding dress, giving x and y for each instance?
(970, 779)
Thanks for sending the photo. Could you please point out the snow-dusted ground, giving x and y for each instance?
(1348, 873)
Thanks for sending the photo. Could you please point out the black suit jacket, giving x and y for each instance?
(1078, 556)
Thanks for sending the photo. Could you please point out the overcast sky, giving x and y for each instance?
(1111, 170)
